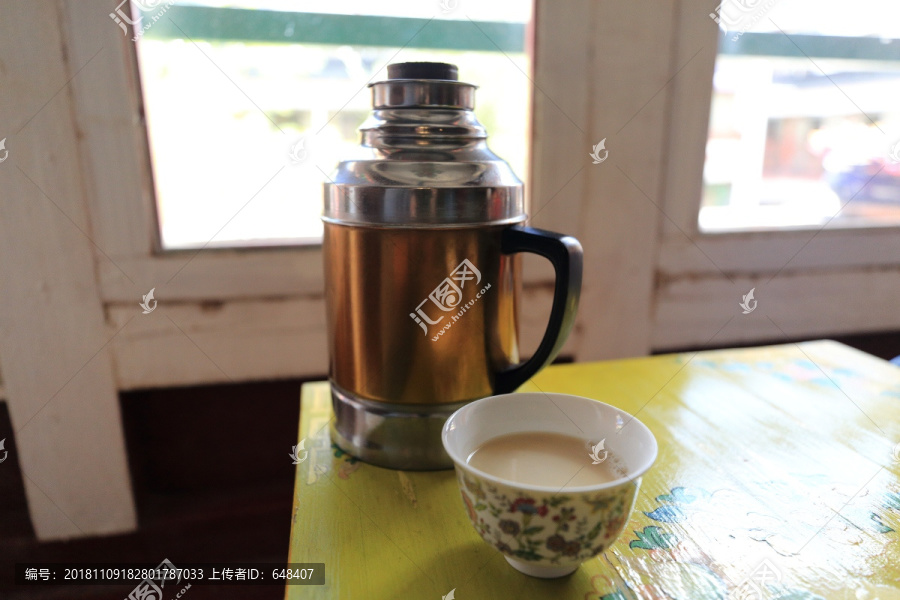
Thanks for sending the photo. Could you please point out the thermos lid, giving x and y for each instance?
(423, 70)
(422, 84)
(424, 160)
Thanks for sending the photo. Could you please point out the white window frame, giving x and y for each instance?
(810, 282)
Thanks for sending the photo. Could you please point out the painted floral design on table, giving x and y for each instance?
(348, 465)
(545, 527)
(321, 462)
(662, 561)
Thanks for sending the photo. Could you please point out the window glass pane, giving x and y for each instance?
(805, 123)
(249, 107)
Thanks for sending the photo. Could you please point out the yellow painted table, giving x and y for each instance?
(778, 477)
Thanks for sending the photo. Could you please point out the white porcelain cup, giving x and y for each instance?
(547, 531)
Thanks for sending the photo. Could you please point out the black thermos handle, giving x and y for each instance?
(565, 253)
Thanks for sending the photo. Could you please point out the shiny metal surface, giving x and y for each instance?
(382, 348)
(423, 207)
(423, 92)
(397, 436)
(421, 166)
(391, 130)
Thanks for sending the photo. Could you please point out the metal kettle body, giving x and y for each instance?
(421, 232)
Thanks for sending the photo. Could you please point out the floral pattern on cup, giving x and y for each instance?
(544, 527)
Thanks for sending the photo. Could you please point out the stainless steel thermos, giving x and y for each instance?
(420, 243)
